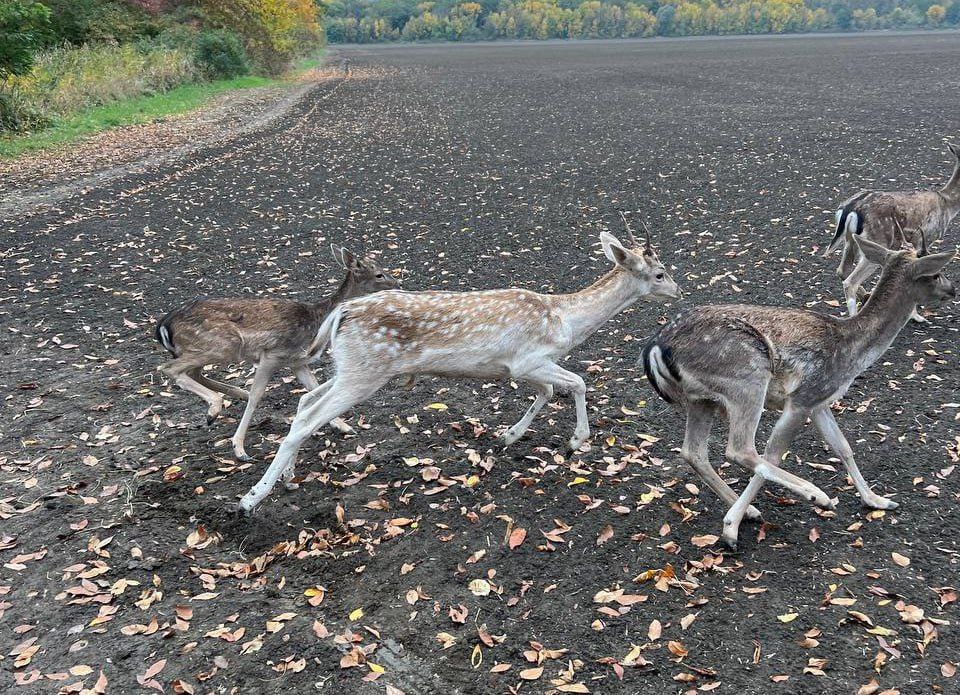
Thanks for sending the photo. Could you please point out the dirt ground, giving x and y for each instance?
(476, 167)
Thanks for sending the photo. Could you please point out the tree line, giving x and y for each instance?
(365, 21)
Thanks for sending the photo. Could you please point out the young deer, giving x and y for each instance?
(271, 332)
(873, 215)
(736, 360)
(496, 334)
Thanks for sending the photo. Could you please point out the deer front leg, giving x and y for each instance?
(560, 378)
(830, 430)
(261, 379)
(544, 394)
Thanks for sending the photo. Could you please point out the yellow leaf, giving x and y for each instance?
(356, 614)
(476, 656)
(788, 617)
(577, 481)
(376, 668)
(437, 406)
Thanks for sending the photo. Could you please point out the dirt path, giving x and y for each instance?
(474, 167)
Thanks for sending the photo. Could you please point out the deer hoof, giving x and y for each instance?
(291, 486)
(508, 438)
(753, 514)
(242, 456)
(730, 541)
(239, 512)
(878, 502)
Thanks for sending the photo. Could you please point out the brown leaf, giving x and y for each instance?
(517, 536)
(606, 533)
(531, 674)
(654, 631)
(901, 560)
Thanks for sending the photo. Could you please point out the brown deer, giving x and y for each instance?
(736, 360)
(273, 333)
(496, 334)
(874, 215)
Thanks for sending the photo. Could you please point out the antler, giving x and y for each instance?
(923, 244)
(626, 225)
(899, 230)
(646, 229)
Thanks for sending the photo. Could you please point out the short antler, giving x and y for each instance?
(646, 229)
(899, 229)
(923, 244)
(626, 225)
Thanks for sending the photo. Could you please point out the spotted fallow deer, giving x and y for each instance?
(873, 215)
(273, 333)
(736, 360)
(496, 334)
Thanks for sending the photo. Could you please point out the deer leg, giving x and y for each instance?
(741, 448)
(830, 430)
(852, 283)
(558, 377)
(218, 386)
(340, 396)
(309, 381)
(261, 378)
(178, 371)
(695, 452)
(544, 394)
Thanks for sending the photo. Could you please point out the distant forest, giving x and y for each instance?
(366, 21)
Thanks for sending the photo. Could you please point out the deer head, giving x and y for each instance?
(364, 275)
(641, 262)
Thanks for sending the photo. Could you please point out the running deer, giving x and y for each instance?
(872, 215)
(273, 333)
(736, 360)
(495, 334)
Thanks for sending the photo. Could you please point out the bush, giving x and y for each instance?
(80, 21)
(67, 79)
(17, 114)
(274, 31)
(23, 27)
(220, 54)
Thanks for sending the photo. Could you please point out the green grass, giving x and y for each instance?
(134, 111)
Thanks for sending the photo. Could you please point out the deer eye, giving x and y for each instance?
(379, 276)
(660, 276)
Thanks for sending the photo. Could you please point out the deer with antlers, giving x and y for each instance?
(495, 334)
(874, 215)
(273, 333)
(737, 360)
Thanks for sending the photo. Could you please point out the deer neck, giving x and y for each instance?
(585, 311)
(882, 318)
(951, 190)
(346, 290)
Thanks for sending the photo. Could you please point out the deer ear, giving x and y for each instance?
(337, 253)
(875, 253)
(613, 249)
(954, 148)
(350, 261)
(928, 266)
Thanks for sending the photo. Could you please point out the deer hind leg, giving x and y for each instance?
(340, 395)
(741, 448)
(261, 379)
(309, 381)
(220, 387)
(558, 377)
(695, 452)
(544, 394)
(179, 370)
(830, 430)
(852, 282)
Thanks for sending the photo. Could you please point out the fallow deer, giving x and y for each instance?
(736, 360)
(873, 215)
(273, 333)
(495, 334)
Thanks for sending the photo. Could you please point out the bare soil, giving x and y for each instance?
(476, 167)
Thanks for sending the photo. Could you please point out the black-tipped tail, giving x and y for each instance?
(844, 218)
(164, 333)
(661, 370)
